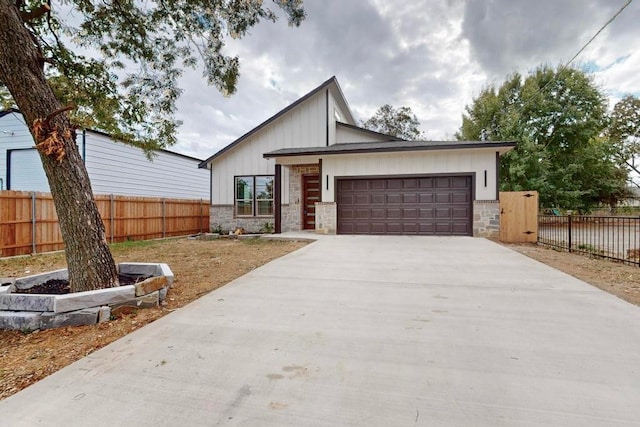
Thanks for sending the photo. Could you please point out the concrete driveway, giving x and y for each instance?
(366, 331)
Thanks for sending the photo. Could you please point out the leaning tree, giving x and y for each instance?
(113, 65)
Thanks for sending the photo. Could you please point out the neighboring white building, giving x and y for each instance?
(310, 167)
(113, 167)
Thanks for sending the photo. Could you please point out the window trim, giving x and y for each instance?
(254, 197)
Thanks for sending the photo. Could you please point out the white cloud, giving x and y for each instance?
(433, 56)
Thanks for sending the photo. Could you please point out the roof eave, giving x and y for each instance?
(204, 164)
(389, 138)
(456, 146)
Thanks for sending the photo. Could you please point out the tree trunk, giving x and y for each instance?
(89, 260)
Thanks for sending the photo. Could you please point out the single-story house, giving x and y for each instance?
(113, 166)
(310, 167)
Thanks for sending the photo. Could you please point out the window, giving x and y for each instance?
(254, 195)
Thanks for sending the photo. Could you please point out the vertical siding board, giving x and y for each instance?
(300, 127)
(168, 175)
(115, 167)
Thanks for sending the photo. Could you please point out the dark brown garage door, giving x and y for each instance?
(437, 205)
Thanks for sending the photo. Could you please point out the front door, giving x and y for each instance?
(311, 195)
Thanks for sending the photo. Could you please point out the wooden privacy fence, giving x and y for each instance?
(29, 224)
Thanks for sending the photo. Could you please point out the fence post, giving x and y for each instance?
(164, 219)
(34, 247)
(569, 223)
(200, 219)
(113, 211)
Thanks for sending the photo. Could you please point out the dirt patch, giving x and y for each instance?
(199, 267)
(619, 279)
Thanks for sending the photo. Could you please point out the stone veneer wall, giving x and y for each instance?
(326, 218)
(221, 217)
(292, 213)
(486, 218)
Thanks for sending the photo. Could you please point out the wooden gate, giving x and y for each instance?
(519, 217)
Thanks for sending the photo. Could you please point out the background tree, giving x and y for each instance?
(558, 116)
(399, 122)
(624, 133)
(56, 87)
(6, 101)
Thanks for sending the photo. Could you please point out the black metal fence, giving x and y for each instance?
(612, 237)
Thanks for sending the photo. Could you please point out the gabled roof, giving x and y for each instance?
(97, 132)
(9, 111)
(331, 83)
(371, 132)
(386, 147)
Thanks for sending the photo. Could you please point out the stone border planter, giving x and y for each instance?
(39, 311)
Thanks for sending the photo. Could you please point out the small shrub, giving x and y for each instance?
(590, 249)
(267, 227)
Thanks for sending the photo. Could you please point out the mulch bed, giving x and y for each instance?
(61, 287)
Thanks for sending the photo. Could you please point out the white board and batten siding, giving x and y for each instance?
(346, 135)
(303, 126)
(14, 136)
(414, 163)
(117, 168)
(113, 167)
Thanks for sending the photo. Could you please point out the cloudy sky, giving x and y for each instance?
(431, 55)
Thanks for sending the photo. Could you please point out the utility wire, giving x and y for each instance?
(598, 32)
(579, 51)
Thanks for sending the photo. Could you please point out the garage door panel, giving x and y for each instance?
(409, 228)
(409, 213)
(346, 199)
(394, 213)
(377, 228)
(426, 183)
(427, 228)
(443, 212)
(410, 198)
(361, 199)
(459, 213)
(377, 199)
(410, 184)
(459, 229)
(393, 184)
(426, 198)
(394, 199)
(459, 182)
(346, 214)
(345, 185)
(443, 182)
(361, 185)
(378, 184)
(378, 213)
(443, 228)
(362, 213)
(394, 228)
(437, 205)
(460, 197)
(443, 198)
(426, 213)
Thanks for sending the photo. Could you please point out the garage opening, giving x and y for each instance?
(425, 205)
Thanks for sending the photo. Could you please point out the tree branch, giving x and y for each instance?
(58, 111)
(632, 167)
(35, 13)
